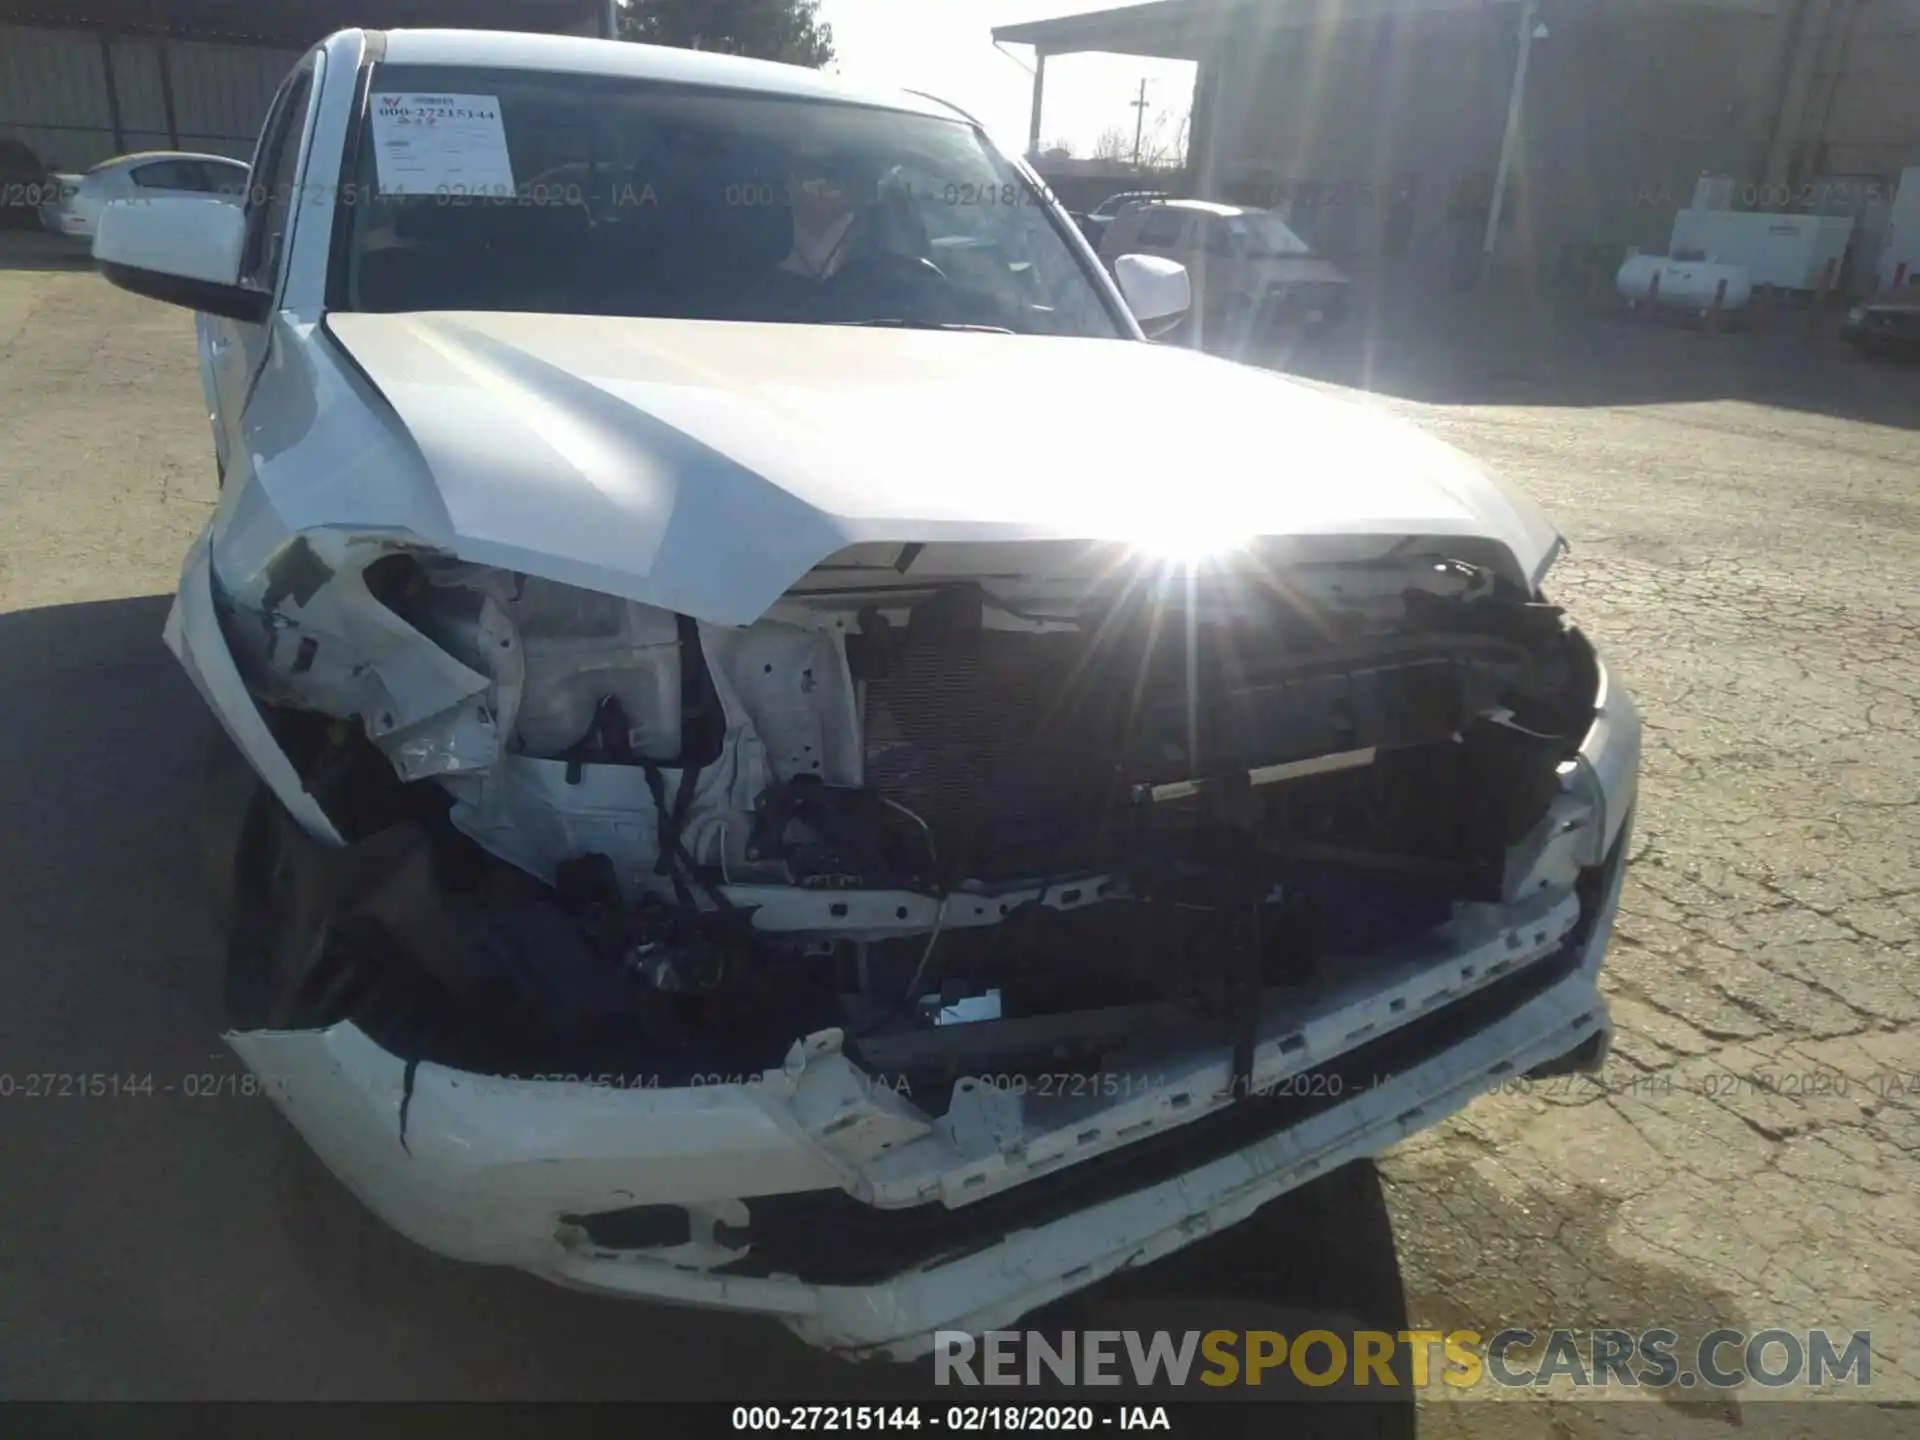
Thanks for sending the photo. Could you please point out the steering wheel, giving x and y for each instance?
(891, 264)
(906, 284)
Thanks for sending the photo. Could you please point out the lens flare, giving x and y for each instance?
(1187, 542)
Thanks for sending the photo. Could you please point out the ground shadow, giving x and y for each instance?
(1514, 1259)
(149, 1250)
(39, 250)
(1567, 351)
(149, 1253)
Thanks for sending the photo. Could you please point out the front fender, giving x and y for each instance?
(204, 328)
(193, 634)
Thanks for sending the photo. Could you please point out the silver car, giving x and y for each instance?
(75, 209)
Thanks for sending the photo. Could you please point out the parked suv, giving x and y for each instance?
(1252, 277)
(1886, 324)
(1104, 214)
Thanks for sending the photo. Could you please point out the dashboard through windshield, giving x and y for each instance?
(575, 194)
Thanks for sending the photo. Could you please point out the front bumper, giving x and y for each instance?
(1892, 329)
(1303, 307)
(813, 1195)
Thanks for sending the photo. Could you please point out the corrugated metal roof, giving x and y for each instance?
(1190, 29)
(299, 23)
(1193, 29)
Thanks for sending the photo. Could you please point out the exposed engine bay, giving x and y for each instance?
(981, 823)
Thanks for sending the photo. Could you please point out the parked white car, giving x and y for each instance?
(746, 798)
(150, 174)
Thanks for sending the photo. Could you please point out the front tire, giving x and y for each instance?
(230, 794)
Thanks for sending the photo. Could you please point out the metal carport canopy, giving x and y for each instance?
(296, 24)
(1208, 31)
(1195, 29)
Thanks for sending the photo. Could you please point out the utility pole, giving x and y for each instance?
(1139, 121)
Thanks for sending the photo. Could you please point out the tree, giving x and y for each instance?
(1058, 150)
(1163, 145)
(784, 30)
(1113, 144)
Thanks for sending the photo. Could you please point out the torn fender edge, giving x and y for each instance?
(193, 634)
(1610, 755)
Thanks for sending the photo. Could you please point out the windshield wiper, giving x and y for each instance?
(899, 324)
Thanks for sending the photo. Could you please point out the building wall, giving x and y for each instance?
(1623, 118)
(54, 94)
(1365, 103)
(1865, 116)
(1371, 136)
(221, 93)
(1386, 137)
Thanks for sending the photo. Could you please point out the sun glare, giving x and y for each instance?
(1182, 543)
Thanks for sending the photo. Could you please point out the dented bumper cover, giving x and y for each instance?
(525, 1172)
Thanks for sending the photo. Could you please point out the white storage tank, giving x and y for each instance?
(1684, 284)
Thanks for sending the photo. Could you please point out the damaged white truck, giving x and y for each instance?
(793, 760)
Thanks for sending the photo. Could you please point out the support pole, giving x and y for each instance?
(1209, 92)
(1039, 95)
(163, 56)
(164, 60)
(1529, 15)
(1809, 24)
(1139, 122)
(113, 94)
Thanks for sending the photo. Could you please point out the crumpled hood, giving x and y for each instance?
(706, 466)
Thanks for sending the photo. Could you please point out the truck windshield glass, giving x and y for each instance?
(569, 194)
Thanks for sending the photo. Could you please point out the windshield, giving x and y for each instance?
(567, 194)
(1262, 233)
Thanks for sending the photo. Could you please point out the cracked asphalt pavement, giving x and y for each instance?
(1744, 516)
(1746, 554)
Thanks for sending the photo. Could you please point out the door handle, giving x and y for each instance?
(216, 347)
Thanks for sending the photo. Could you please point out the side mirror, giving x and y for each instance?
(1157, 290)
(183, 249)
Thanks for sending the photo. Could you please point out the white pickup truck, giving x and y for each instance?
(792, 760)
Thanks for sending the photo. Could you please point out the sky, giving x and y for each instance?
(945, 47)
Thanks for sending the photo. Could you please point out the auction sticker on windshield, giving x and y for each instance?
(440, 145)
